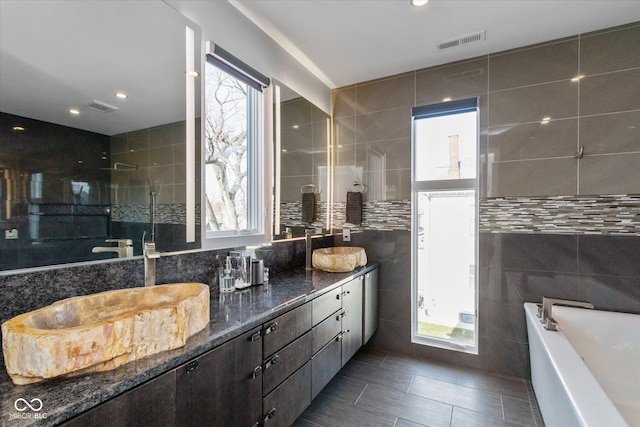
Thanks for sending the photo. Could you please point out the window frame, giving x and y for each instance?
(445, 185)
(259, 143)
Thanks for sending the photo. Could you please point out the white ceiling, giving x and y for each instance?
(55, 56)
(349, 41)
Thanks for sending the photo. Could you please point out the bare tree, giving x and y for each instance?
(226, 150)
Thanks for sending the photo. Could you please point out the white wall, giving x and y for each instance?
(226, 26)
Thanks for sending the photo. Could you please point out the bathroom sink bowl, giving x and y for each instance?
(339, 259)
(102, 331)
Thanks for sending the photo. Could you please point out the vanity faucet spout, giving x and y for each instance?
(544, 311)
(124, 249)
(308, 248)
(150, 256)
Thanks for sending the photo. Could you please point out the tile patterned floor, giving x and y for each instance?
(385, 389)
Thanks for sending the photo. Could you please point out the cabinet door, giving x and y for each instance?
(325, 365)
(324, 332)
(285, 362)
(351, 318)
(222, 387)
(326, 304)
(150, 404)
(286, 328)
(370, 305)
(289, 400)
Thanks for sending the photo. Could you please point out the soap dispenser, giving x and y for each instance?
(226, 277)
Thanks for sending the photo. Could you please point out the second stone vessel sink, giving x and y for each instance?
(102, 331)
(339, 259)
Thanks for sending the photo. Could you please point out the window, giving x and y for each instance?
(444, 243)
(233, 153)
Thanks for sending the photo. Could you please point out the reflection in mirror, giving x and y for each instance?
(302, 165)
(93, 129)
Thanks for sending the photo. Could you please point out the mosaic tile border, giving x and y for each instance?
(604, 214)
(385, 215)
(175, 213)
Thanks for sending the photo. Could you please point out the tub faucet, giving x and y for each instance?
(150, 256)
(544, 311)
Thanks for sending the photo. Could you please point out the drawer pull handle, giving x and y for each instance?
(256, 372)
(271, 361)
(272, 327)
(270, 414)
(192, 366)
(255, 336)
(340, 336)
(338, 296)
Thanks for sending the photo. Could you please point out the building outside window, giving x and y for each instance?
(444, 212)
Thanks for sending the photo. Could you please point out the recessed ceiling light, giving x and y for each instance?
(18, 129)
(545, 120)
(577, 78)
(74, 111)
(121, 95)
(284, 150)
(193, 73)
(447, 99)
(418, 3)
(295, 126)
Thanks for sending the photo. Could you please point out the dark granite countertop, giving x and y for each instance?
(231, 315)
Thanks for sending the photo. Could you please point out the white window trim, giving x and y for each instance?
(259, 185)
(444, 185)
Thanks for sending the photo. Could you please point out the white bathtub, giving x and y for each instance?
(588, 372)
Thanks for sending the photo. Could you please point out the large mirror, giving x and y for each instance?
(93, 127)
(302, 165)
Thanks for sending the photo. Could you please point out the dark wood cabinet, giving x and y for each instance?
(284, 362)
(223, 387)
(284, 329)
(325, 305)
(325, 364)
(289, 400)
(149, 404)
(265, 377)
(370, 315)
(351, 318)
(325, 331)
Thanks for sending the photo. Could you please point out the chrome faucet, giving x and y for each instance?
(308, 244)
(150, 256)
(124, 248)
(544, 311)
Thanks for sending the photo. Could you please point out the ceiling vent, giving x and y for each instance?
(462, 40)
(101, 106)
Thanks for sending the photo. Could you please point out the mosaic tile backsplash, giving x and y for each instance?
(605, 214)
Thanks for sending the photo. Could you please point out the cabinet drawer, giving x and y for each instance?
(151, 404)
(286, 328)
(325, 331)
(326, 304)
(289, 400)
(286, 361)
(325, 365)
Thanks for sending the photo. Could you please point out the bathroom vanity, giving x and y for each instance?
(267, 352)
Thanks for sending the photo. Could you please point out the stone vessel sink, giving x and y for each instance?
(339, 259)
(102, 331)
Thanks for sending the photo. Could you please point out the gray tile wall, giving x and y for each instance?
(160, 154)
(522, 159)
